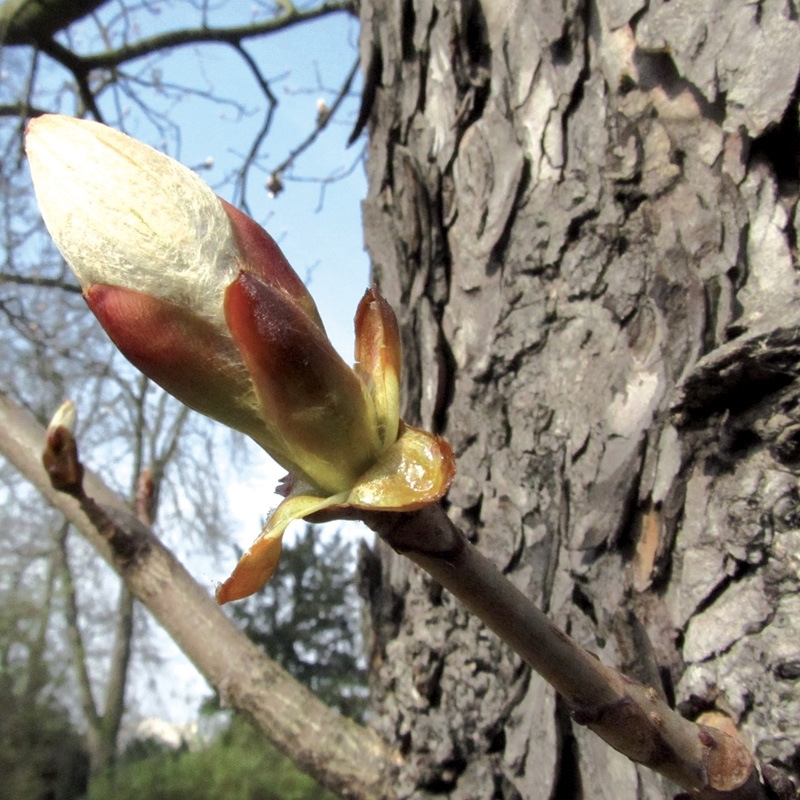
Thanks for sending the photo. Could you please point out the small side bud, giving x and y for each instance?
(146, 496)
(60, 457)
(274, 184)
(323, 112)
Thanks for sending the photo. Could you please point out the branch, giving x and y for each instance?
(114, 707)
(343, 756)
(51, 283)
(21, 110)
(322, 123)
(38, 670)
(80, 71)
(233, 35)
(272, 104)
(79, 655)
(34, 22)
(632, 718)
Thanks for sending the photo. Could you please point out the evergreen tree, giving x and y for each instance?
(307, 618)
(42, 756)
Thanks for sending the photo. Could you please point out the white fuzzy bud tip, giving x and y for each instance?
(124, 214)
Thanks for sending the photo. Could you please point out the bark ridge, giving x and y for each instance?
(585, 214)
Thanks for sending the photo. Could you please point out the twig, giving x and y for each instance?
(321, 124)
(202, 35)
(632, 718)
(36, 280)
(80, 70)
(272, 105)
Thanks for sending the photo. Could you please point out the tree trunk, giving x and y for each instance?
(584, 214)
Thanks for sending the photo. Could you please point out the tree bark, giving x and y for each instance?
(585, 217)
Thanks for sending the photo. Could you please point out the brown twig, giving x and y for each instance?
(322, 123)
(35, 280)
(41, 25)
(632, 718)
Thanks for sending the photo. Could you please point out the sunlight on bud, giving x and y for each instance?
(378, 360)
(122, 213)
(303, 385)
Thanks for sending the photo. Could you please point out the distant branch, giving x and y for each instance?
(272, 104)
(233, 35)
(21, 110)
(322, 123)
(80, 70)
(74, 635)
(51, 283)
(344, 756)
(35, 21)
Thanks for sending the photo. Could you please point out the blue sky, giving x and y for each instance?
(320, 235)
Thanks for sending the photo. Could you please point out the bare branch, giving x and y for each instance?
(32, 21)
(346, 757)
(632, 718)
(80, 71)
(35, 22)
(322, 123)
(33, 280)
(114, 706)
(233, 35)
(37, 670)
(79, 656)
(272, 104)
(20, 110)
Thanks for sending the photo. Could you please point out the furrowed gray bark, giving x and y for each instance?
(584, 214)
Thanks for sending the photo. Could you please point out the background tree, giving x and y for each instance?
(53, 350)
(41, 752)
(308, 619)
(585, 217)
(132, 425)
(42, 755)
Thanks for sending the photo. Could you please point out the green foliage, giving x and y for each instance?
(307, 618)
(150, 747)
(239, 765)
